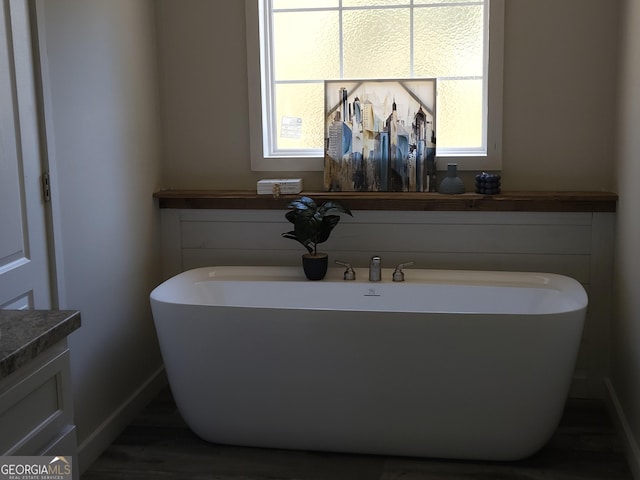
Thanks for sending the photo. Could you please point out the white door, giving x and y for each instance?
(24, 272)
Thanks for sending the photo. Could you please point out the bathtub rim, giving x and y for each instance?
(165, 292)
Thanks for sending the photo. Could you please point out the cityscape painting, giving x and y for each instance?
(380, 135)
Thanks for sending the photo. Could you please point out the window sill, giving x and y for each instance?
(537, 201)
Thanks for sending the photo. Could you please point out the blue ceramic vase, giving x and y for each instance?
(452, 183)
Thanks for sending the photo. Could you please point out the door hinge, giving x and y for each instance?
(46, 187)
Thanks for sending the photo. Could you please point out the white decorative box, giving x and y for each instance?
(279, 186)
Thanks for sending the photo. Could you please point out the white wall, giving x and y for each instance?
(560, 71)
(560, 74)
(104, 142)
(625, 366)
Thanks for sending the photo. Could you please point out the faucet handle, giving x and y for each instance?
(349, 273)
(398, 274)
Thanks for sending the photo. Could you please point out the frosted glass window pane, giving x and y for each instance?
(377, 43)
(448, 41)
(459, 121)
(306, 45)
(298, 4)
(367, 3)
(304, 101)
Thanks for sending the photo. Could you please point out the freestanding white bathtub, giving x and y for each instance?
(450, 364)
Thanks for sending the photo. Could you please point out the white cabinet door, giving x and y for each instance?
(24, 269)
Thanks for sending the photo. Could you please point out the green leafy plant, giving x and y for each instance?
(312, 224)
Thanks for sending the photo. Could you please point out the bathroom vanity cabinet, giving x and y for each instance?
(36, 407)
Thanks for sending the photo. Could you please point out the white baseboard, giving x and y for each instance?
(630, 444)
(96, 443)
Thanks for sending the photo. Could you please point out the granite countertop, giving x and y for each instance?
(24, 334)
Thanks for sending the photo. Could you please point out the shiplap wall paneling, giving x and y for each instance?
(579, 245)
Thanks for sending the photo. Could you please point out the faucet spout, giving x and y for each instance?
(375, 270)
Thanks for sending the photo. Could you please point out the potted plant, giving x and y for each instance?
(312, 224)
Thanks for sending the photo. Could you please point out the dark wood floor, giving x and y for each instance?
(157, 445)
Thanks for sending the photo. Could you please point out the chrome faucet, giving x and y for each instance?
(398, 274)
(349, 273)
(375, 270)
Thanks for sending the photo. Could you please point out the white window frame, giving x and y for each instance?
(491, 159)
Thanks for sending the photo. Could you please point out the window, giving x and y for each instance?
(294, 45)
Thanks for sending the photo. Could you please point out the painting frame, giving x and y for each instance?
(380, 135)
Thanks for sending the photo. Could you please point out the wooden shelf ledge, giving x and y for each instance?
(534, 201)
